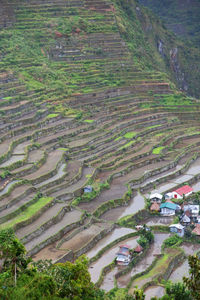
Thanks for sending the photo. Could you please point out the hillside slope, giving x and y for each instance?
(86, 99)
(182, 18)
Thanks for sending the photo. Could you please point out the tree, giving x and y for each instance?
(12, 252)
(142, 241)
(122, 294)
(193, 282)
(138, 294)
(72, 279)
(177, 291)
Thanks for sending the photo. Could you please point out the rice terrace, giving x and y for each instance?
(98, 138)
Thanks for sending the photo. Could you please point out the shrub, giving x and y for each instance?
(172, 241)
(4, 174)
(142, 241)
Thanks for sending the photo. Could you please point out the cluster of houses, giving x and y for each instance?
(189, 213)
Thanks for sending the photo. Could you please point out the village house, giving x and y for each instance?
(88, 189)
(155, 207)
(156, 197)
(138, 249)
(193, 209)
(123, 255)
(168, 209)
(196, 230)
(186, 218)
(178, 229)
(185, 190)
(168, 196)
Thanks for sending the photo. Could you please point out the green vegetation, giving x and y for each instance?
(177, 99)
(158, 150)
(118, 138)
(93, 67)
(22, 279)
(158, 269)
(27, 213)
(130, 135)
(127, 145)
(89, 121)
(51, 116)
(192, 282)
(177, 291)
(173, 240)
(4, 174)
(183, 19)
(63, 149)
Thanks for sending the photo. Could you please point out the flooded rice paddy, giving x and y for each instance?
(136, 203)
(8, 186)
(154, 250)
(180, 271)
(154, 291)
(96, 267)
(115, 234)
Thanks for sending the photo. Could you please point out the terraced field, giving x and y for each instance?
(119, 128)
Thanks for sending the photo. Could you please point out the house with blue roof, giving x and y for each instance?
(168, 209)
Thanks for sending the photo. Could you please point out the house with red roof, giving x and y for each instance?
(196, 230)
(138, 249)
(185, 190)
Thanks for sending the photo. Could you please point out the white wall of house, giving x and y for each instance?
(167, 211)
(177, 196)
(180, 232)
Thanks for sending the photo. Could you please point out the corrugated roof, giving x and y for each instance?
(168, 205)
(179, 226)
(156, 195)
(184, 190)
(138, 249)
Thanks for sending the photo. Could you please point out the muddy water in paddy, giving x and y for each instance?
(183, 269)
(108, 282)
(96, 267)
(178, 273)
(115, 234)
(146, 261)
(159, 221)
(20, 149)
(136, 173)
(13, 159)
(5, 190)
(196, 187)
(153, 291)
(155, 177)
(136, 203)
(190, 249)
(192, 171)
(60, 173)
(116, 191)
